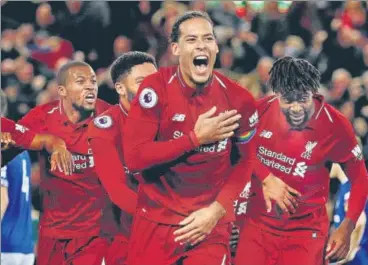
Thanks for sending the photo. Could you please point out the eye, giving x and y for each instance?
(209, 38)
(94, 81)
(191, 40)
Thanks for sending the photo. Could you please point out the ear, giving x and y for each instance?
(175, 48)
(62, 91)
(217, 48)
(121, 89)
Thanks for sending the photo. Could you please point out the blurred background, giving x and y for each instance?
(37, 37)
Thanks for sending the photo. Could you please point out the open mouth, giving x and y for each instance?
(297, 118)
(90, 98)
(200, 62)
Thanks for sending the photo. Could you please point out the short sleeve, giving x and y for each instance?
(34, 120)
(148, 104)
(4, 178)
(346, 146)
(104, 127)
(21, 135)
(247, 107)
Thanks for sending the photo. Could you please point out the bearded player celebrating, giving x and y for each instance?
(70, 226)
(180, 127)
(299, 137)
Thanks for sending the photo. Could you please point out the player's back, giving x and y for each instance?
(16, 226)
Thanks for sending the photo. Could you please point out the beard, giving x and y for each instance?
(84, 112)
(130, 96)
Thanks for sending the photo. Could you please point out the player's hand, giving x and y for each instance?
(338, 245)
(6, 140)
(285, 196)
(199, 224)
(62, 159)
(210, 128)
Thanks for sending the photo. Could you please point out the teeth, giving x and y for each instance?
(201, 57)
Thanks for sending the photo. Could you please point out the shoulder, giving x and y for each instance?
(238, 95)
(45, 109)
(336, 123)
(40, 113)
(332, 116)
(105, 124)
(102, 106)
(266, 103)
(151, 92)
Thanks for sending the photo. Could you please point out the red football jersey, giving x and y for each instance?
(302, 159)
(20, 134)
(105, 137)
(241, 204)
(165, 112)
(72, 204)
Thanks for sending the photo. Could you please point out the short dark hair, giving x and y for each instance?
(124, 64)
(290, 75)
(175, 31)
(62, 74)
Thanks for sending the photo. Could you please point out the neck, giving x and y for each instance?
(125, 103)
(73, 114)
(191, 84)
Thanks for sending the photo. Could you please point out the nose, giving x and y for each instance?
(200, 44)
(296, 107)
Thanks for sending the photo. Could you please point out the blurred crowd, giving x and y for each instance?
(38, 37)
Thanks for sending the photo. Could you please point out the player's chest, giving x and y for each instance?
(290, 152)
(181, 113)
(76, 140)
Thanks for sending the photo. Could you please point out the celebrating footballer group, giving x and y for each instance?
(151, 180)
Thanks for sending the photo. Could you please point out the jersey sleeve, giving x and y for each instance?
(249, 121)
(4, 177)
(34, 120)
(21, 135)
(110, 170)
(348, 153)
(142, 127)
(103, 126)
(241, 173)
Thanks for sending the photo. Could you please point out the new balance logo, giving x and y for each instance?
(20, 128)
(266, 134)
(357, 152)
(179, 117)
(253, 119)
(300, 169)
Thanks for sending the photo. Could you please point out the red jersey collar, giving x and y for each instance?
(65, 120)
(189, 91)
(123, 109)
(319, 106)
